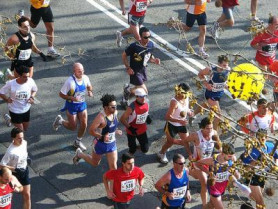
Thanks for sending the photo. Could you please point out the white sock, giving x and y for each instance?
(79, 139)
(50, 48)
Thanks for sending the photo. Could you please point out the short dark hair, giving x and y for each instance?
(143, 30)
(228, 149)
(107, 98)
(15, 131)
(21, 20)
(177, 156)
(126, 157)
(204, 122)
(22, 69)
(261, 101)
(4, 170)
(184, 86)
(223, 58)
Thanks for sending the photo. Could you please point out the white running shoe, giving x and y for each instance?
(7, 119)
(162, 158)
(203, 54)
(119, 39)
(214, 31)
(191, 119)
(53, 53)
(57, 123)
(78, 144)
(76, 157)
(20, 13)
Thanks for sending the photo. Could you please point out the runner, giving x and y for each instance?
(15, 159)
(176, 120)
(174, 185)
(140, 53)
(266, 44)
(120, 184)
(203, 148)
(24, 42)
(8, 185)
(214, 86)
(104, 129)
(41, 9)
(134, 119)
(257, 182)
(19, 93)
(74, 92)
(136, 14)
(226, 19)
(196, 10)
(219, 166)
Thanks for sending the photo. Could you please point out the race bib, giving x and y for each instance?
(80, 95)
(146, 59)
(140, 119)
(128, 185)
(21, 95)
(218, 87)
(207, 149)
(179, 193)
(46, 2)
(112, 137)
(25, 54)
(141, 6)
(5, 200)
(223, 176)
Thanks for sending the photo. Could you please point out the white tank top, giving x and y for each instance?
(205, 147)
(180, 107)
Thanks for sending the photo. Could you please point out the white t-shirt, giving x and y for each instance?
(69, 86)
(20, 94)
(16, 156)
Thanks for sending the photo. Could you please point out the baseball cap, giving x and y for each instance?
(140, 92)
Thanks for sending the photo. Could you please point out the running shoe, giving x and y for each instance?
(5, 75)
(53, 53)
(119, 39)
(126, 91)
(76, 157)
(191, 119)
(214, 31)
(20, 13)
(7, 119)
(124, 103)
(78, 144)
(203, 54)
(162, 158)
(57, 123)
(256, 21)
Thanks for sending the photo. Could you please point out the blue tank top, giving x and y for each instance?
(179, 188)
(218, 79)
(110, 128)
(79, 91)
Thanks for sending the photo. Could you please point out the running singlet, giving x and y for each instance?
(139, 55)
(178, 110)
(267, 39)
(138, 7)
(79, 91)
(138, 117)
(256, 122)
(197, 9)
(218, 79)
(179, 188)
(37, 4)
(24, 50)
(229, 3)
(110, 128)
(205, 148)
(6, 197)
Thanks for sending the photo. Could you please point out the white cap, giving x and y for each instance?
(140, 92)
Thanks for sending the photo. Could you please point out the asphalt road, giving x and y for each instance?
(85, 32)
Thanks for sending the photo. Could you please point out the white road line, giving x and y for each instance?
(161, 40)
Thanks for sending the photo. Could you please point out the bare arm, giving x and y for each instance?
(165, 179)
(34, 47)
(124, 117)
(206, 161)
(11, 43)
(98, 121)
(16, 184)
(108, 188)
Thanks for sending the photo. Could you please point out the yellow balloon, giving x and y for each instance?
(243, 85)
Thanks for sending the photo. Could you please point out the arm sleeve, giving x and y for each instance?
(6, 89)
(110, 174)
(34, 86)
(87, 81)
(141, 174)
(66, 87)
(256, 40)
(5, 160)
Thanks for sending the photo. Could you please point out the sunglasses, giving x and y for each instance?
(183, 163)
(146, 37)
(141, 96)
(114, 107)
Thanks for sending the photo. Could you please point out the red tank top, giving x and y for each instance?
(138, 117)
(138, 7)
(6, 197)
(229, 3)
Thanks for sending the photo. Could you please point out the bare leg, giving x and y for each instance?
(26, 194)
(50, 33)
(71, 123)
(82, 116)
(112, 158)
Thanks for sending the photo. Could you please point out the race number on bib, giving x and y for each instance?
(218, 87)
(140, 119)
(25, 54)
(128, 185)
(179, 192)
(223, 176)
(5, 200)
(112, 137)
(21, 95)
(80, 95)
(141, 6)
